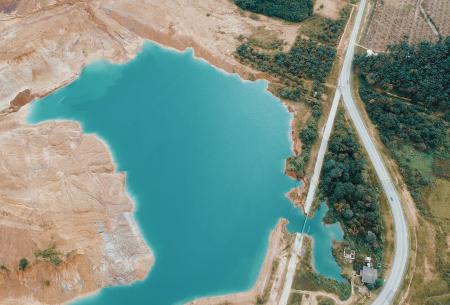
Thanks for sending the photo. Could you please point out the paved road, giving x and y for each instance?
(393, 283)
(314, 181)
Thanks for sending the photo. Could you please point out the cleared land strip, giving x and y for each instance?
(292, 266)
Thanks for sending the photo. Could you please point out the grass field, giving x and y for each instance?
(439, 199)
(295, 299)
(322, 300)
(306, 278)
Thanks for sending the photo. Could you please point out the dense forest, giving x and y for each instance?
(306, 59)
(351, 195)
(415, 126)
(420, 72)
(289, 10)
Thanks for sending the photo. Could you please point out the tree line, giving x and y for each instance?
(306, 59)
(326, 30)
(289, 10)
(420, 72)
(417, 123)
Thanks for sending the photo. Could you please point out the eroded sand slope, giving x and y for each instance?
(59, 188)
(47, 48)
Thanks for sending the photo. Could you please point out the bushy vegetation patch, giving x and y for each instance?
(326, 30)
(416, 131)
(49, 255)
(322, 300)
(416, 137)
(352, 198)
(264, 39)
(289, 10)
(306, 59)
(420, 72)
(306, 278)
(295, 298)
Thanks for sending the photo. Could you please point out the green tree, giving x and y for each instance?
(347, 214)
(23, 264)
(378, 283)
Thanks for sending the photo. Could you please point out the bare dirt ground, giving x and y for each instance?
(329, 8)
(392, 20)
(47, 48)
(23, 7)
(439, 12)
(310, 297)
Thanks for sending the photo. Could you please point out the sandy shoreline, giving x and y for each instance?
(269, 278)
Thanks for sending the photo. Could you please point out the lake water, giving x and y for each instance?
(204, 154)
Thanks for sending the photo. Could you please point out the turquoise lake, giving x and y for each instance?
(204, 154)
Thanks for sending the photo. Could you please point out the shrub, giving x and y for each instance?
(49, 255)
(23, 264)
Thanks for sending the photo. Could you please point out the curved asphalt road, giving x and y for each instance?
(393, 283)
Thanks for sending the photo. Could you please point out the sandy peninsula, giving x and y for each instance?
(60, 193)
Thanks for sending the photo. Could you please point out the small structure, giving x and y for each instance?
(349, 254)
(369, 275)
(368, 261)
(370, 52)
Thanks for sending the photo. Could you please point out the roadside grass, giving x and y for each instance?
(418, 160)
(346, 266)
(295, 298)
(265, 39)
(439, 199)
(306, 278)
(325, 30)
(265, 296)
(323, 300)
(426, 284)
(388, 235)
